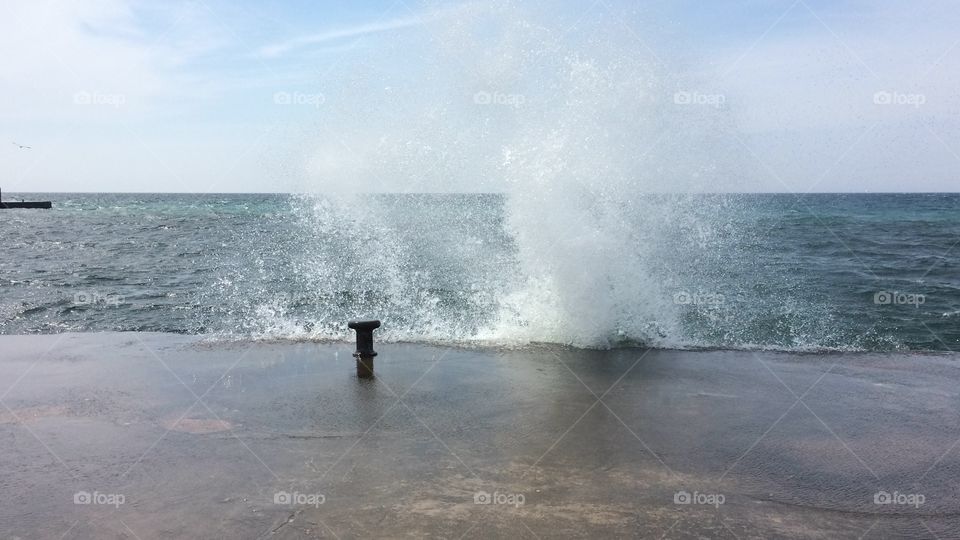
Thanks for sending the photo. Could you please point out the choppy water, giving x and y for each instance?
(849, 272)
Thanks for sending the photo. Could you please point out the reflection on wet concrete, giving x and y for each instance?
(233, 439)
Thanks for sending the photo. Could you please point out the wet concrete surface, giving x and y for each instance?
(174, 437)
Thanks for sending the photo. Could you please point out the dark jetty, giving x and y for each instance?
(24, 204)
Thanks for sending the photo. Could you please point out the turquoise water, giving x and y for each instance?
(821, 272)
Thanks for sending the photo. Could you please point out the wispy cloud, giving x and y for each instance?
(348, 32)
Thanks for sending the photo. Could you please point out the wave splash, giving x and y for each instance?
(577, 130)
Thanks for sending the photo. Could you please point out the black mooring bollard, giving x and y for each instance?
(365, 352)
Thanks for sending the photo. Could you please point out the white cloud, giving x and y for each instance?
(56, 50)
(801, 98)
(92, 86)
(53, 53)
(828, 77)
(807, 99)
(347, 32)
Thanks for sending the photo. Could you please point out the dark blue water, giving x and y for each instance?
(821, 272)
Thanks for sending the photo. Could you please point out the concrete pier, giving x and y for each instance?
(160, 436)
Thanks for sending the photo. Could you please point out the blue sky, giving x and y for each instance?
(755, 95)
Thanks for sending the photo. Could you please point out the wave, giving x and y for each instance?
(571, 131)
(595, 238)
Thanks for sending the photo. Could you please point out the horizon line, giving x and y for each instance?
(478, 193)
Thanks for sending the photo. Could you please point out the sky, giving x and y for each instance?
(277, 96)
